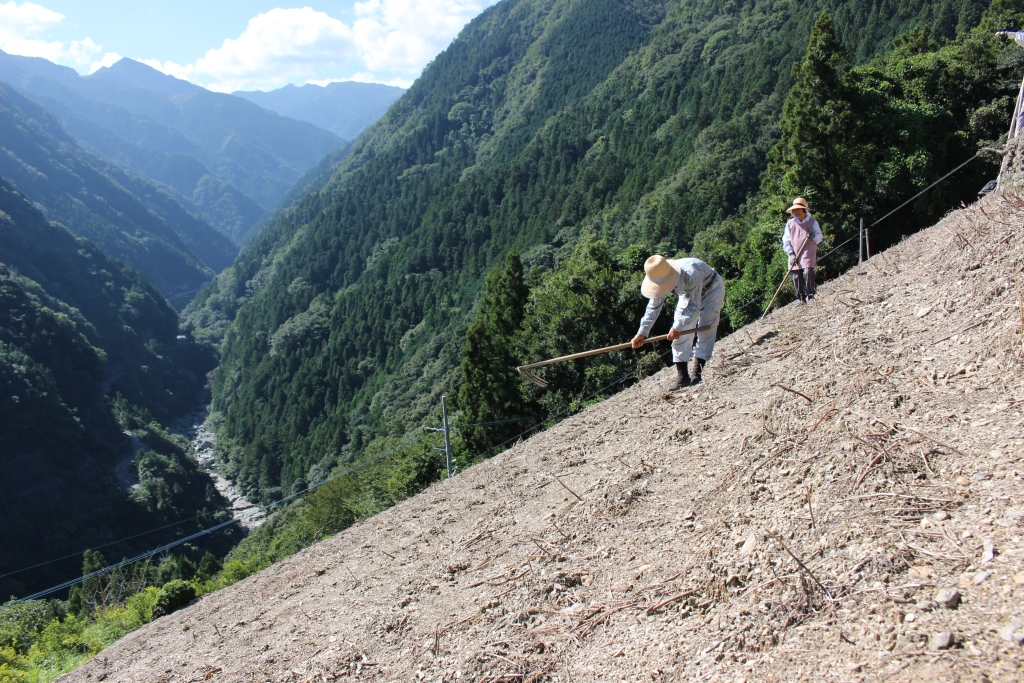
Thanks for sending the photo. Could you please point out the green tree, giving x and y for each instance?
(91, 593)
(491, 390)
(818, 125)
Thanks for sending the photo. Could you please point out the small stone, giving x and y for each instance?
(1012, 633)
(989, 552)
(921, 572)
(1018, 578)
(947, 597)
(941, 641)
(910, 618)
(940, 516)
(982, 577)
(926, 605)
(749, 545)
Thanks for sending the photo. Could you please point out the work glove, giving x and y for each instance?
(792, 261)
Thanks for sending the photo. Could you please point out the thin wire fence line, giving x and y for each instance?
(493, 422)
(976, 154)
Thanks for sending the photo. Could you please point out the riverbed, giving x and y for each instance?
(203, 443)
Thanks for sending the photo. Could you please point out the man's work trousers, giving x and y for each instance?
(803, 280)
(711, 302)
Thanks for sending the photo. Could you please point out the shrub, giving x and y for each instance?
(174, 595)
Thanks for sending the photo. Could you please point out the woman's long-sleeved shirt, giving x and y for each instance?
(695, 276)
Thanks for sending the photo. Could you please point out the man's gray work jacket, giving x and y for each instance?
(695, 276)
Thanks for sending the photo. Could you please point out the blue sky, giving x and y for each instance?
(231, 45)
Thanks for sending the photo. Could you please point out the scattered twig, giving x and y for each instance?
(566, 487)
(803, 566)
(674, 598)
(950, 336)
(932, 438)
(810, 509)
(502, 582)
(793, 391)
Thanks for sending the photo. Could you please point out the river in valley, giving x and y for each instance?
(203, 441)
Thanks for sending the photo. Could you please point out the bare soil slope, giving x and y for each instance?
(842, 499)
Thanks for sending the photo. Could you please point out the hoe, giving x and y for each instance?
(524, 370)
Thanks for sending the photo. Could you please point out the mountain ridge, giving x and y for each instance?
(202, 138)
(317, 104)
(97, 200)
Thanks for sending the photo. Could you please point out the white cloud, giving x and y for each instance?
(390, 41)
(108, 59)
(23, 29)
(277, 47)
(403, 35)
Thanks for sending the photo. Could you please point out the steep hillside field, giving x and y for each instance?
(840, 500)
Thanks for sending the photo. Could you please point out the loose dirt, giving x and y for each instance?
(841, 500)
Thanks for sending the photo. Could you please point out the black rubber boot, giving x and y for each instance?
(682, 378)
(697, 374)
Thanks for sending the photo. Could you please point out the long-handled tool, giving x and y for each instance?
(788, 271)
(524, 370)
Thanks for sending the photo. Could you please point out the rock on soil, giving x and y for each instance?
(783, 521)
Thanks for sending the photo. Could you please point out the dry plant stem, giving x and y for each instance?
(867, 468)
(794, 391)
(966, 329)
(674, 598)
(803, 566)
(567, 488)
(932, 438)
(810, 509)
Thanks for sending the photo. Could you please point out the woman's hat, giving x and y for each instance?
(661, 279)
(799, 203)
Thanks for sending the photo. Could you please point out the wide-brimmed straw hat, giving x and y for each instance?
(799, 203)
(661, 278)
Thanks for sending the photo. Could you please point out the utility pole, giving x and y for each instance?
(447, 440)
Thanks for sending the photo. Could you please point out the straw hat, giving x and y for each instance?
(799, 203)
(661, 278)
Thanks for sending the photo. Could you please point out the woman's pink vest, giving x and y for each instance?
(797, 232)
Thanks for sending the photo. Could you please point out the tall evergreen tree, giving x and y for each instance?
(491, 390)
(817, 143)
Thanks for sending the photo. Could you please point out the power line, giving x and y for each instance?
(104, 545)
(146, 555)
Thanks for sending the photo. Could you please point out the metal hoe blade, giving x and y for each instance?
(531, 378)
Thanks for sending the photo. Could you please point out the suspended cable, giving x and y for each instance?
(123, 563)
(927, 188)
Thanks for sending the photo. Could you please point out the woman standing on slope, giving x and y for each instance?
(802, 230)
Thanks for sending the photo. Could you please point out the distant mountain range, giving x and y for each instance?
(126, 216)
(344, 108)
(222, 157)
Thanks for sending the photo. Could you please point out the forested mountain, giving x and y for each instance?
(223, 157)
(569, 131)
(127, 217)
(88, 351)
(344, 108)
